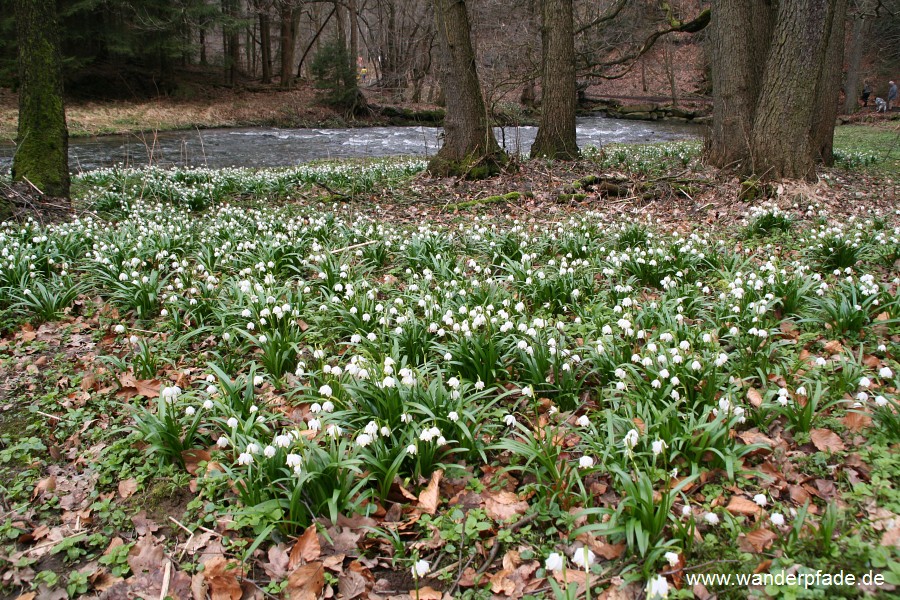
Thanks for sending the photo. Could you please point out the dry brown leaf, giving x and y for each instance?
(757, 540)
(799, 496)
(504, 505)
(193, 457)
(44, 486)
(306, 549)
(351, 584)
(891, 537)
(738, 505)
(277, 566)
(856, 420)
(146, 556)
(834, 347)
(754, 397)
(426, 593)
(502, 584)
(127, 487)
(430, 496)
(826, 440)
(221, 577)
(306, 582)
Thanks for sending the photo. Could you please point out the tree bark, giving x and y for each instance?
(353, 22)
(828, 86)
(265, 41)
(852, 89)
(556, 131)
(42, 152)
(288, 31)
(470, 148)
(775, 77)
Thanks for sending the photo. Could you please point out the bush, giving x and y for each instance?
(335, 78)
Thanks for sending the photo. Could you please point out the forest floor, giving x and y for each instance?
(351, 380)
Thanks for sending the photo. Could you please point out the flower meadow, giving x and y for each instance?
(589, 401)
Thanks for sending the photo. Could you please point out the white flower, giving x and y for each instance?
(421, 568)
(881, 401)
(283, 441)
(232, 423)
(760, 499)
(245, 458)
(253, 448)
(631, 439)
(820, 362)
(189, 411)
(325, 390)
(658, 446)
(555, 562)
(170, 393)
(777, 519)
(479, 385)
(269, 451)
(657, 588)
(334, 430)
(293, 460)
(583, 421)
(453, 382)
(583, 557)
(696, 366)
(208, 404)
(865, 382)
(885, 372)
(328, 406)
(363, 440)
(672, 558)
(686, 510)
(222, 442)
(801, 391)
(509, 420)
(453, 416)
(711, 518)
(258, 380)
(314, 424)
(586, 462)
(411, 449)
(120, 329)
(528, 391)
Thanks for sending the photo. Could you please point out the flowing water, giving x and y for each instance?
(272, 147)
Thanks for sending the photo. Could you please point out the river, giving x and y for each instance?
(272, 147)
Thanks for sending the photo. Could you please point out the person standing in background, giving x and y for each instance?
(892, 95)
(867, 91)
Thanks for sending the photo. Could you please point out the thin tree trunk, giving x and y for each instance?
(556, 132)
(470, 147)
(42, 141)
(265, 40)
(353, 22)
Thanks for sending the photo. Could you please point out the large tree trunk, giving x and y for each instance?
(556, 132)
(774, 74)
(738, 36)
(470, 148)
(828, 86)
(42, 152)
(288, 30)
(852, 89)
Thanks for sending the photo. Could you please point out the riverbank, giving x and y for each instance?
(272, 107)
(221, 107)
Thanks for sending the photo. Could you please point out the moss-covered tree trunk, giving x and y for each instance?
(470, 148)
(42, 153)
(556, 136)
